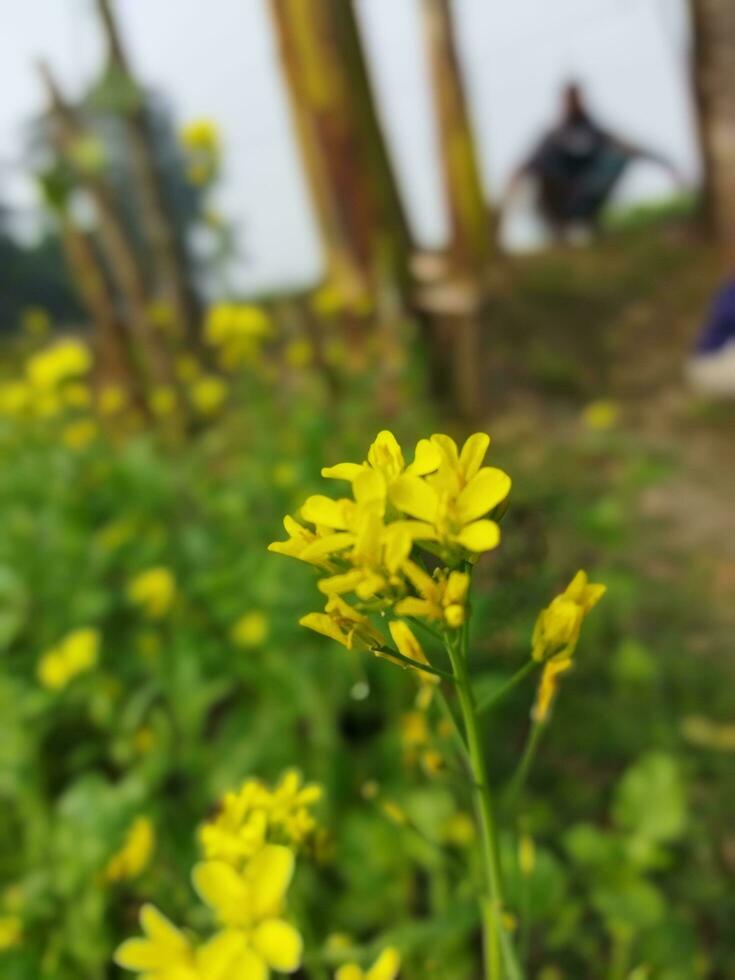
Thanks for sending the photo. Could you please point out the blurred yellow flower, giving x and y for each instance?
(708, 734)
(557, 628)
(208, 394)
(251, 630)
(112, 399)
(75, 654)
(36, 322)
(144, 740)
(386, 967)
(299, 353)
(153, 591)
(284, 475)
(249, 906)
(77, 395)
(601, 415)
(460, 829)
(11, 931)
(161, 315)
(50, 367)
(79, 434)
(164, 954)
(200, 134)
(15, 397)
(135, 854)
(162, 401)
(556, 634)
(526, 855)
(188, 368)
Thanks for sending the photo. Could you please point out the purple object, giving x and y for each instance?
(719, 330)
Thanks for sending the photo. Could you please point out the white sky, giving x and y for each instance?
(217, 58)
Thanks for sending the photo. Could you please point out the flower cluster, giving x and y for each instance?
(376, 544)
(244, 887)
(236, 332)
(75, 654)
(54, 380)
(556, 634)
(254, 815)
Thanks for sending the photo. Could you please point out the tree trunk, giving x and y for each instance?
(714, 77)
(362, 225)
(167, 250)
(120, 251)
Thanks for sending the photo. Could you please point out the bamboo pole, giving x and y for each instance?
(455, 304)
(714, 84)
(167, 249)
(359, 214)
(120, 252)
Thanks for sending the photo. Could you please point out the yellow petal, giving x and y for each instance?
(350, 971)
(386, 966)
(319, 509)
(279, 944)
(415, 497)
(448, 448)
(421, 581)
(385, 453)
(343, 471)
(321, 623)
(479, 536)
(162, 931)
(473, 453)
(330, 544)
(369, 487)
(221, 957)
(339, 584)
(269, 874)
(421, 608)
(224, 891)
(397, 547)
(484, 491)
(426, 458)
(406, 642)
(141, 954)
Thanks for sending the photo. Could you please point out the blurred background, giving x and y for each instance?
(239, 238)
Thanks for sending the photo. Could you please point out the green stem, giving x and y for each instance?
(486, 703)
(529, 753)
(391, 654)
(495, 934)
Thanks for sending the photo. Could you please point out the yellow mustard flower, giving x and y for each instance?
(441, 598)
(54, 365)
(164, 953)
(343, 623)
(385, 457)
(75, 654)
(556, 634)
(11, 931)
(460, 830)
(153, 591)
(200, 134)
(80, 434)
(135, 854)
(526, 855)
(249, 906)
(601, 415)
(208, 394)
(450, 504)
(386, 967)
(557, 628)
(251, 630)
(255, 815)
(299, 539)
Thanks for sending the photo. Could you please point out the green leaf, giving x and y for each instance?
(650, 799)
